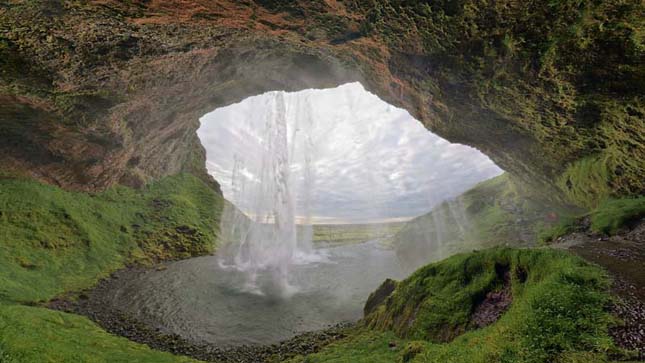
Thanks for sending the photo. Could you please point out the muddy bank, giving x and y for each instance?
(623, 256)
(89, 303)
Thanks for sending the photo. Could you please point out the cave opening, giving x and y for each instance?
(319, 182)
(103, 175)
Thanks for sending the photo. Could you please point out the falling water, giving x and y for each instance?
(266, 246)
(444, 231)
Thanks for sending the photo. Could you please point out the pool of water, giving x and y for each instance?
(200, 300)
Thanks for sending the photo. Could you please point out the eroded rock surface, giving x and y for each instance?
(102, 92)
(379, 295)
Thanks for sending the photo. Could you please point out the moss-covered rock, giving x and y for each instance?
(552, 92)
(558, 313)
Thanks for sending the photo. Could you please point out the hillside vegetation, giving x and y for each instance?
(53, 241)
(557, 313)
(502, 211)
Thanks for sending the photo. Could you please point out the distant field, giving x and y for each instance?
(355, 233)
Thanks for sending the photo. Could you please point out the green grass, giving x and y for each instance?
(562, 227)
(614, 213)
(608, 218)
(53, 241)
(558, 313)
(362, 346)
(492, 213)
(355, 233)
(585, 182)
(33, 334)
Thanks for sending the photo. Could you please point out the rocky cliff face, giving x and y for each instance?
(94, 93)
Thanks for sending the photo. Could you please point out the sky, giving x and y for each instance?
(352, 157)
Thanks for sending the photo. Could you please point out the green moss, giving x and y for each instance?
(362, 346)
(612, 214)
(411, 350)
(586, 181)
(53, 241)
(498, 211)
(33, 334)
(540, 77)
(558, 312)
(564, 225)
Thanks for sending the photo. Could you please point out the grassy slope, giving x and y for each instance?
(52, 241)
(31, 334)
(495, 211)
(558, 313)
(614, 213)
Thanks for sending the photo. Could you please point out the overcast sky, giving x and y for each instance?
(369, 161)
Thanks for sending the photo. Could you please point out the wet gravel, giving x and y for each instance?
(630, 333)
(623, 255)
(89, 304)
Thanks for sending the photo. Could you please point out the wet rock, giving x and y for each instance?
(378, 297)
(495, 303)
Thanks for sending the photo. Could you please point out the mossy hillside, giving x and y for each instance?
(54, 240)
(499, 210)
(33, 335)
(361, 346)
(559, 313)
(610, 216)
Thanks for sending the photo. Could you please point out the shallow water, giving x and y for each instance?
(201, 301)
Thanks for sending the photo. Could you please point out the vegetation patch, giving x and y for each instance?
(31, 334)
(53, 241)
(342, 234)
(362, 346)
(612, 214)
(608, 218)
(559, 313)
(585, 182)
(499, 210)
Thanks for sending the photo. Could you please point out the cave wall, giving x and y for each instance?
(95, 93)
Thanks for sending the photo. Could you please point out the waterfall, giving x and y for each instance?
(266, 244)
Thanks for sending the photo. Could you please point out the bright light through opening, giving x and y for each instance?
(372, 162)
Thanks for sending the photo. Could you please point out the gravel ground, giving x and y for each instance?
(623, 255)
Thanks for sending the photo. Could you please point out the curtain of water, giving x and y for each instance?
(267, 243)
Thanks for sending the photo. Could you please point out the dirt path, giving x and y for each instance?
(623, 255)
